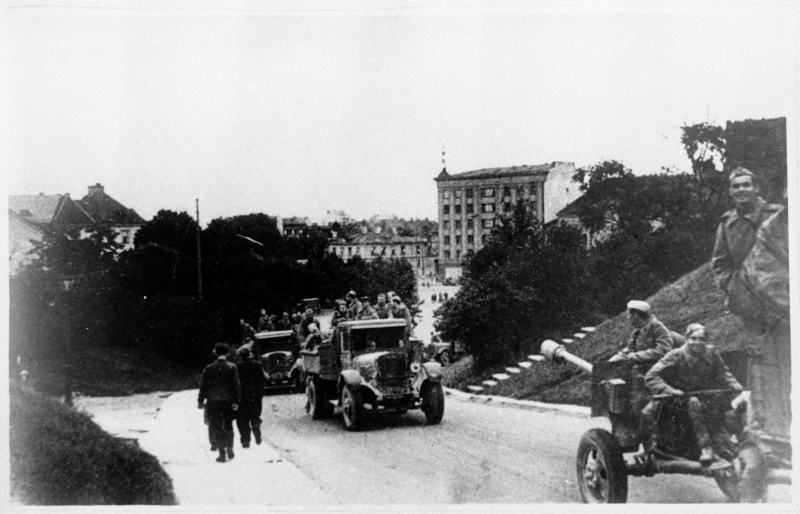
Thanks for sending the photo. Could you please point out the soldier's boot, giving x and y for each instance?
(221, 457)
(257, 434)
(230, 453)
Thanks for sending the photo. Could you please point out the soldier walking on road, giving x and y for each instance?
(220, 393)
(252, 381)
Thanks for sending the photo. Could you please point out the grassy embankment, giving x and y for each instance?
(61, 457)
(110, 371)
(692, 298)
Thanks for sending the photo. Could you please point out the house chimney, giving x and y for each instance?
(97, 188)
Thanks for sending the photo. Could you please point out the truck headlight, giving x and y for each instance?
(415, 367)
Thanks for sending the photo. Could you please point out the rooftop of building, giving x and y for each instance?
(488, 173)
(105, 209)
(378, 239)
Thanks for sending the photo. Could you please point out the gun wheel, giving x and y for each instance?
(602, 476)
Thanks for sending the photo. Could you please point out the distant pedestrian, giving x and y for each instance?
(353, 305)
(251, 378)
(433, 297)
(220, 393)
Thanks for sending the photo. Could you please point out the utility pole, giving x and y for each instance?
(199, 265)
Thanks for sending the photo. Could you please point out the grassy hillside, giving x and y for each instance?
(61, 457)
(692, 298)
(109, 371)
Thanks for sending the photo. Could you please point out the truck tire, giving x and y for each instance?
(352, 409)
(317, 401)
(433, 402)
(602, 476)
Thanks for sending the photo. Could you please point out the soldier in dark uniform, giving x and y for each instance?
(308, 320)
(383, 309)
(219, 385)
(284, 323)
(694, 367)
(367, 312)
(264, 322)
(251, 378)
(340, 314)
(736, 234)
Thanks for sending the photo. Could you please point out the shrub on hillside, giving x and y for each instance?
(61, 457)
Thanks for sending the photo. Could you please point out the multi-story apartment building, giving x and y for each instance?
(371, 246)
(470, 204)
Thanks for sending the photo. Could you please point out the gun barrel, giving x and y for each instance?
(555, 352)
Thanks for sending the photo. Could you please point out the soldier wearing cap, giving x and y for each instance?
(252, 381)
(736, 235)
(696, 366)
(367, 312)
(353, 305)
(649, 341)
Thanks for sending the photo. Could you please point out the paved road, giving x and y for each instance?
(478, 454)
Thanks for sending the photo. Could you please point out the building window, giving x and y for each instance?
(487, 223)
(446, 194)
(470, 239)
(469, 193)
(447, 254)
(446, 210)
(506, 191)
(487, 207)
(447, 240)
(470, 208)
(458, 193)
(533, 205)
(419, 250)
(349, 250)
(470, 224)
(534, 189)
(487, 192)
(507, 207)
(520, 191)
(458, 254)
(446, 225)
(484, 237)
(458, 240)
(458, 224)
(458, 209)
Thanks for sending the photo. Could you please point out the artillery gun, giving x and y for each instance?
(619, 394)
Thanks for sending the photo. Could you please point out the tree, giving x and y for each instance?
(527, 280)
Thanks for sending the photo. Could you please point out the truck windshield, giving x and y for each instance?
(383, 339)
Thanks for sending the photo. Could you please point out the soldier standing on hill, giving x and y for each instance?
(736, 235)
(251, 378)
(219, 385)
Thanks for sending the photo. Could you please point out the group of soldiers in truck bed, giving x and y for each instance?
(750, 264)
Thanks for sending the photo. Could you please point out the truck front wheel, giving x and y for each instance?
(318, 405)
(352, 409)
(433, 402)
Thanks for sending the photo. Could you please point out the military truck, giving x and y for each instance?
(370, 367)
(277, 352)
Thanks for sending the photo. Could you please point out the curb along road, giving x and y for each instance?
(573, 410)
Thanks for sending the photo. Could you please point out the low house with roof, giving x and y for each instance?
(29, 215)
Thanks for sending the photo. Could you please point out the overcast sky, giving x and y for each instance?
(294, 112)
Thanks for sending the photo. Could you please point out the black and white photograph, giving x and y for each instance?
(306, 256)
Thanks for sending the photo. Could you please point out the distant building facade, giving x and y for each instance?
(471, 203)
(295, 226)
(369, 246)
(108, 212)
(334, 216)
